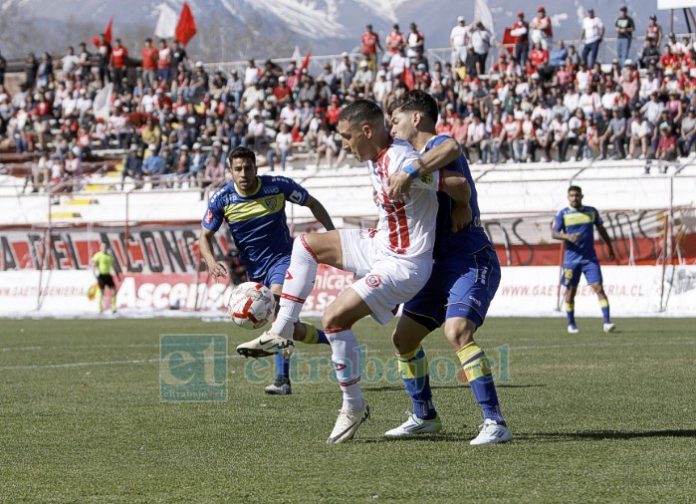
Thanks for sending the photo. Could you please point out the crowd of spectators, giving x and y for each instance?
(541, 100)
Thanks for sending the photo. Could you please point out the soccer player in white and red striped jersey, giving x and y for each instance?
(393, 261)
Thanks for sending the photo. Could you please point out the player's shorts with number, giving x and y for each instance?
(588, 267)
(386, 281)
(460, 287)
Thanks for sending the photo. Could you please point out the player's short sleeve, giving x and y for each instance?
(597, 218)
(558, 225)
(214, 214)
(293, 192)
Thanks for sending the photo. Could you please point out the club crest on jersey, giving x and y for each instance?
(271, 203)
(373, 281)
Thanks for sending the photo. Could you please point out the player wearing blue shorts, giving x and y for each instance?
(465, 277)
(254, 208)
(575, 225)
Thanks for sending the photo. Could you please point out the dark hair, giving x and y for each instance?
(575, 188)
(361, 111)
(418, 101)
(241, 153)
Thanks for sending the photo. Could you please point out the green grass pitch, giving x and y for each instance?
(596, 418)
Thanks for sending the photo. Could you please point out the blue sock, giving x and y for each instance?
(413, 367)
(604, 304)
(478, 374)
(570, 313)
(282, 366)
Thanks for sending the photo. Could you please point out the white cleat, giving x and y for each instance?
(279, 387)
(608, 327)
(267, 344)
(414, 426)
(573, 329)
(492, 433)
(347, 424)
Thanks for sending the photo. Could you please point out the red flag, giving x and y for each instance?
(305, 63)
(107, 33)
(186, 28)
(509, 40)
(408, 78)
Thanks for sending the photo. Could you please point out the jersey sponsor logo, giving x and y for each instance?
(296, 197)
(373, 281)
(476, 301)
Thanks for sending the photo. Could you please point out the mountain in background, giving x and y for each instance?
(237, 29)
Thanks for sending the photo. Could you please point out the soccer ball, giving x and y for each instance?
(251, 305)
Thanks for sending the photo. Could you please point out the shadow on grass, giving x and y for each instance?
(600, 435)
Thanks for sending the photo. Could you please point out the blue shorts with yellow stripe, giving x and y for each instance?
(458, 287)
(570, 278)
(275, 274)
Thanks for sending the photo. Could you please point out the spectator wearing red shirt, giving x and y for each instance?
(666, 147)
(395, 40)
(370, 44)
(282, 91)
(538, 59)
(332, 112)
(118, 64)
(164, 61)
(150, 56)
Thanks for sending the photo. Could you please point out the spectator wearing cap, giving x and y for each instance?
(666, 146)
(540, 30)
(520, 30)
(369, 45)
(362, 81)
(415, 42)
(282, 91)
(459, 41)
(654, 30)
(651, 53)
(591, 34)
(624, 34)
(395, 40)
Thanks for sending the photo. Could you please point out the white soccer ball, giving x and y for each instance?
(251, 305)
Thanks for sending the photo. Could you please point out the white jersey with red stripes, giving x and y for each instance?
(405, 228)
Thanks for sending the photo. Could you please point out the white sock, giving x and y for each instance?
(298, 284)
(345, 356)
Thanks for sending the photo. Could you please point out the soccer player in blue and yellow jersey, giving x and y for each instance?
(575, 225)
(465, 277)
(254, 208)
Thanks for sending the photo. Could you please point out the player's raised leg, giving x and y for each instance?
(307, 252)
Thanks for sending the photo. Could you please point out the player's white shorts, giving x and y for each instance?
(385, 281)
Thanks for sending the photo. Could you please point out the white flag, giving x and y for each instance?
(166, 22)
(483, 13)
(102, 102)
(296, 55)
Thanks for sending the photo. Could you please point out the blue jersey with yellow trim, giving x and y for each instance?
(581, 221)
(471, 239)
(257, 221)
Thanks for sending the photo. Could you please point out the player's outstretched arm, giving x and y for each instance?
(320, 213)
(438, 157)
(605, 236)
(215, 268)
(457, 187)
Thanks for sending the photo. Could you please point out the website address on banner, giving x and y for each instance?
(46, 291)
(585, 290)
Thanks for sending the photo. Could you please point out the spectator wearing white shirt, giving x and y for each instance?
(398, 63)
(459, 40)
(481, 40)
(475, 134)
(640, 136)
(591, 34)
(251, 73)
(69, 63)
(281, 148)
(559, 130)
